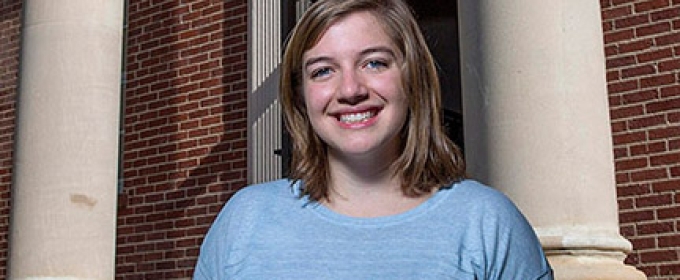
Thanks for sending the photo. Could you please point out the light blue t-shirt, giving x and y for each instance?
(466, 231)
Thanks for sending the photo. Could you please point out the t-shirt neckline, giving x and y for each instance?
(331, 216)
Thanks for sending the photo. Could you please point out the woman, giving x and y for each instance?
(376, 190)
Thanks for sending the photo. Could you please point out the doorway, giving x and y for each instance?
(438, 20)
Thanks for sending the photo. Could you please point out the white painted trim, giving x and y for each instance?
(264, 113)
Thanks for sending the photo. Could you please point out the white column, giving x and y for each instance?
(264, 110)
(537, 125)
(63, 218)
(265, 119)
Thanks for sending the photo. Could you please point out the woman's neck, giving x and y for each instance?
(363, 173)
(367, 187)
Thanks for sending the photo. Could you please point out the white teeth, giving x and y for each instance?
(354, 118)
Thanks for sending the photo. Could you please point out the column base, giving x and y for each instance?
(587, 253)
(574, 267)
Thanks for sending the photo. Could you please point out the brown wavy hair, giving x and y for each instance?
(428, 160)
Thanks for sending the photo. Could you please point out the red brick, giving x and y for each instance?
(646, 242)
(636, 216)
(669, 269)
(666, 14)
(646, 122)
(662, 133)
(643, 70)
(653, 29)
(663, 106)
(621, 2)
(628, 230)
(653, 200)
(625, 112)
(613, 76)
(674, 145)
(633, 190)
(655, 228)
(619, 87)
(631, 164)
(622, 178)
(635, 46)
(646, 148)
(659, 256)
(655, 55)
(618, 36)
(650, 174)
(666, 159)
(657, 81)
(667, 39)
(646, 269)
(618, 127)
(617, 12)
(628, 138)
(665, 213)
(646, 6)
(633, 20)
(669, 65)
(639, 96)
(607, 26)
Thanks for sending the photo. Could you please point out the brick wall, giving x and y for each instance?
(642, 44)
(185, 130)
(10, 21)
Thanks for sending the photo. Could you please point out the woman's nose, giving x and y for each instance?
(352, 89)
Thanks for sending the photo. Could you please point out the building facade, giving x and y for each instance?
(199, 120)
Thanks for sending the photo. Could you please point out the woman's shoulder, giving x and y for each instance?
(476, 192)
(508, 236)
(267, 191)
(478, 199)
(252, 202)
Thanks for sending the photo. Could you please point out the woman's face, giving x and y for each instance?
(353, 90)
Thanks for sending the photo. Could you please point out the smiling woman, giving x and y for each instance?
(426, 158)
(353, 96)
(376, 189)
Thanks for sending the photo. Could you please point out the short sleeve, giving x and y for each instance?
(513, 250)
(225, 232)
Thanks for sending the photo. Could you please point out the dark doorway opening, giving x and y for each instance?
(438, 19)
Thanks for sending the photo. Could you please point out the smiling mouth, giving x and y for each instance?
(356, 117)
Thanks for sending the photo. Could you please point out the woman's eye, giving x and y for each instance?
(321, 72)
(376, 64)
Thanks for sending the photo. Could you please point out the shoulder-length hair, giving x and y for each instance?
(428, 159)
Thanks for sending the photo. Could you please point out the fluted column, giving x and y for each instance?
(63, 216)
(537, 125)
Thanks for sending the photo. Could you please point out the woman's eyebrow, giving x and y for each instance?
(318, 59)
(365, 52)
(379, 49)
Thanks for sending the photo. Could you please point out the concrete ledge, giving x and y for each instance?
(573, 267)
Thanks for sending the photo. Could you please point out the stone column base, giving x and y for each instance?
(575, 267)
